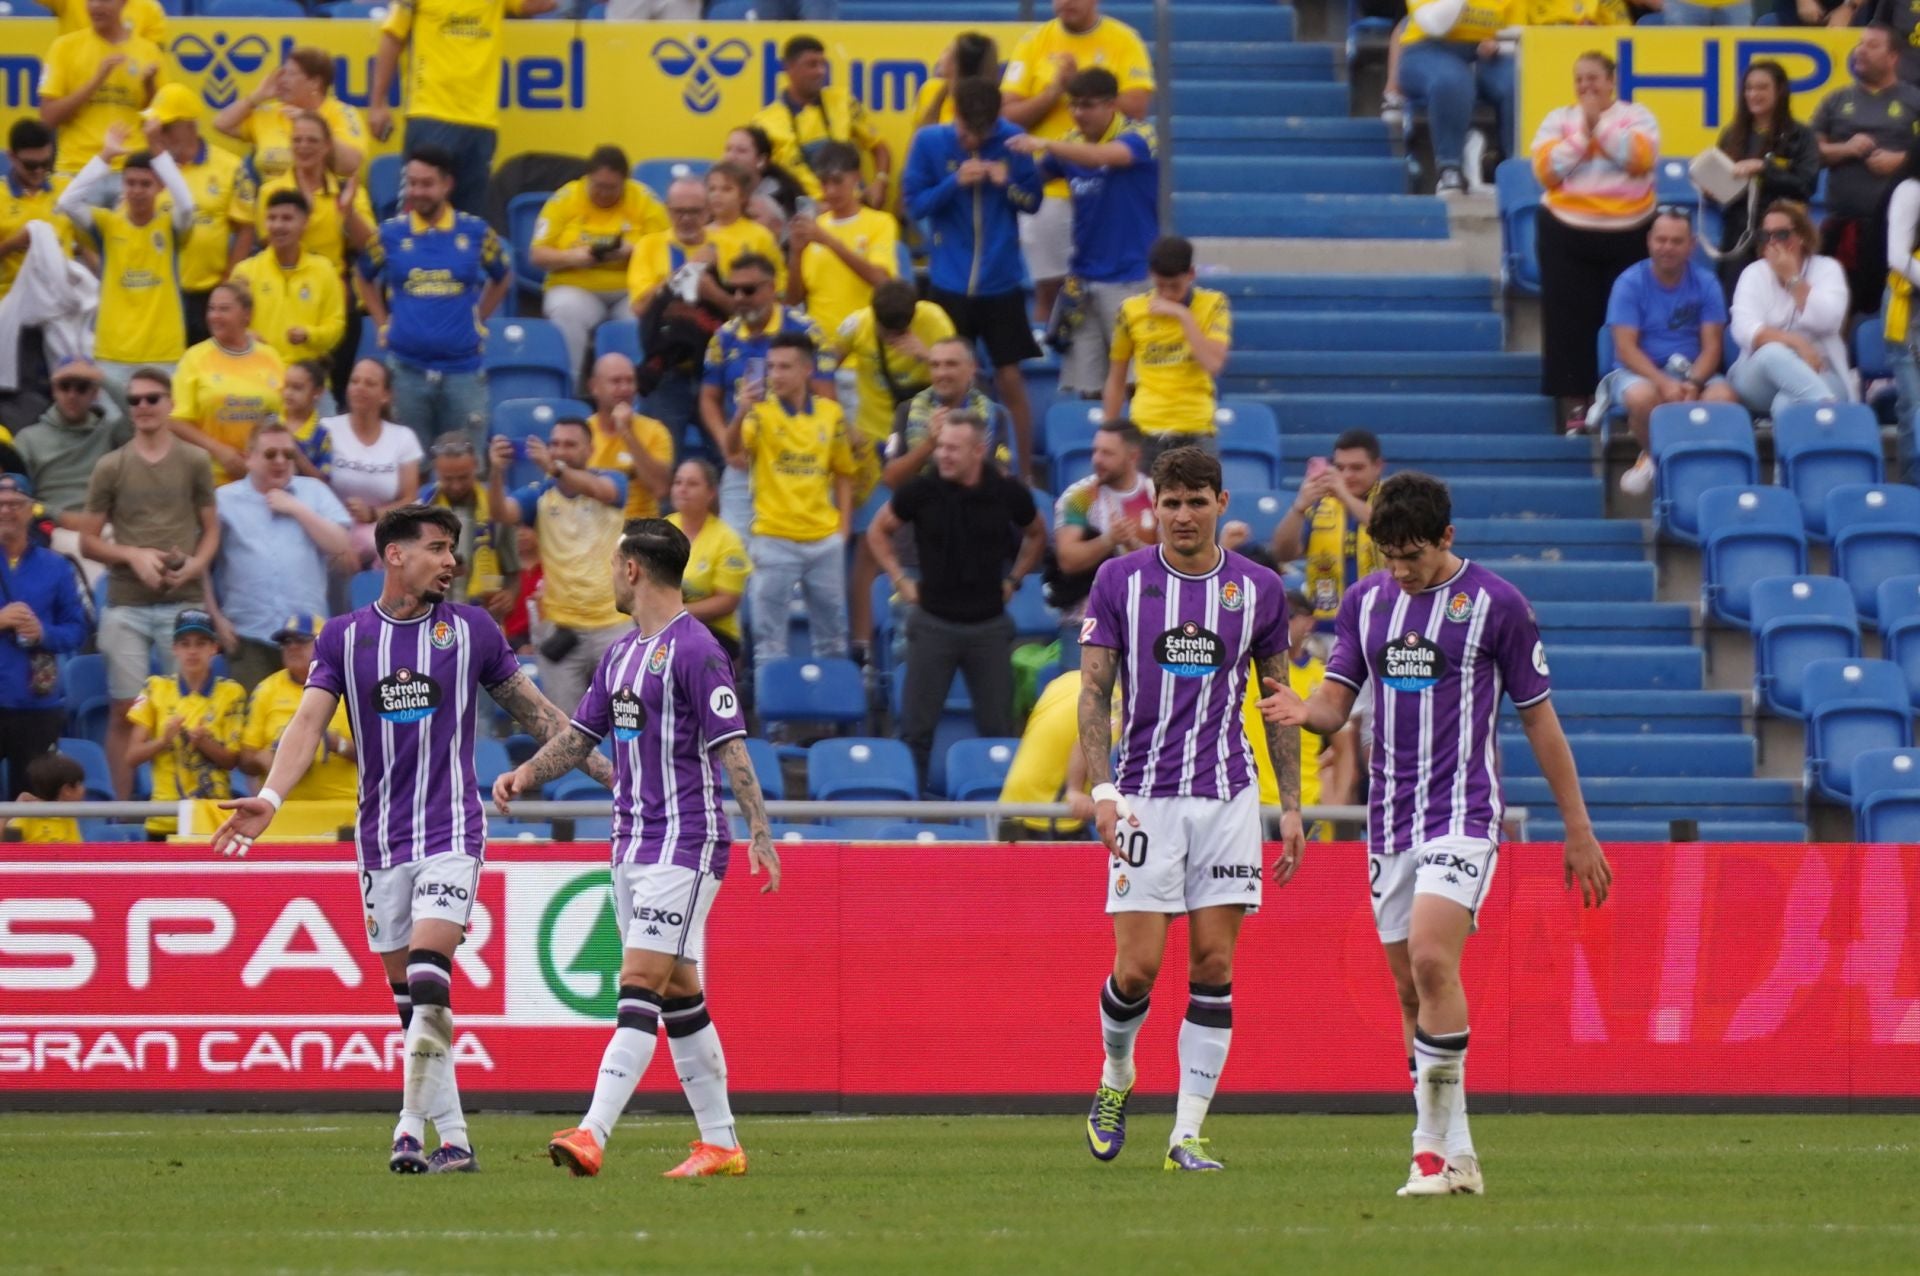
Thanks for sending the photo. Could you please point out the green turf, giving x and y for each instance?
(1695, 1195)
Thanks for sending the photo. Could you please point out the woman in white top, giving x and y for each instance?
(376, 464)
(1789, 319)
(1900, 323)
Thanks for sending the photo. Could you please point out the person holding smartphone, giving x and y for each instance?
(1328, 521)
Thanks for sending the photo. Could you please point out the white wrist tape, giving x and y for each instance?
(273, 799)
(1108, 793)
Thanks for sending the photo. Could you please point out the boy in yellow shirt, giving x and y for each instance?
(188, 725)
(836, 260)
(334, 773)
(1177, 337)
(299, 304)
(51, 777)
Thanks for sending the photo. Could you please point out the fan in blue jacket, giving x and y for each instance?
(969, 186)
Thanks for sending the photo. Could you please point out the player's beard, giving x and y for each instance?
(433, 597)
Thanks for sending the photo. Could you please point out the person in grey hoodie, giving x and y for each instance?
(62, 447)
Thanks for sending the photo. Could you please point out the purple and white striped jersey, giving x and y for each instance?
(1439, 661)
(1185, 644)
(668, 701)
(412, 689)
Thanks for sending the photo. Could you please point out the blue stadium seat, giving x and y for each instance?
(863, 516)
(854, 769)
(1899, 611)
(788, 832)
(1886, 796)
(1697, 446)
(1820, 447)
(766, 769)
(657, 174)
(518, 830)
(1043, 501)
(251, 9)
(909, 832)
(84, 686)
(523, 215)
(96, 832)
(1852, 706)
(618, 336)
(363, 590)
(825, 690)
(1247, 425)
(1876, 534)
(1517, 194)
(1070, 464)
(951, 730)
(577, 786)
(1748, 533)
(1242, 469)
(977, 768)
(1261, 512)
(520, 419)
(526, 359)
(1797, 620)
(93, 760)
(490, 761)
(1069, 424)
(1032, 618)
(383, 184)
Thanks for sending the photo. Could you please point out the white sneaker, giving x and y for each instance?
(1463, 1177)
(1428, 1177)
(1392, 106)
(1451, 185)
(1638, 481)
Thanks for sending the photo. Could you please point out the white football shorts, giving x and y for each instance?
(1456, 868)
(1046, 238)
(663, 908)
(438, 888)
(1188, 853)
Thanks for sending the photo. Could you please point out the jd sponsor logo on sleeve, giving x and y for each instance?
(723, 703)
(406, 696)
(628, 715)
(1189, 651)
(1412, 663)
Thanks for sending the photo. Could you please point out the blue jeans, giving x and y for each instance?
(472, 151)
(1773, 378)
(1679, 13)
(820, 569)
(1906, 375)
(1450, 77)
(433, 403)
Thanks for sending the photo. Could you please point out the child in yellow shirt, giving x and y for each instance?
(51, 777)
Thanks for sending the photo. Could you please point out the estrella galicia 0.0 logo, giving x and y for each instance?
(221, 64)
(702, 66)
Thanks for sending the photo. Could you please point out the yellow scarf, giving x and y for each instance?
(1899, 307)
(483, 577)
(1333, 539)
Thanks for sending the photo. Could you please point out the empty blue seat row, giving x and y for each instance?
(1626, 669)
(1852, 706)
(1669, 713)
(1752, 532)
(1694, 756)
(1796, 620)
(1449, 415)
(1311, 216)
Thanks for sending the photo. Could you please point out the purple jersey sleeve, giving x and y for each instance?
(707, 682)
(1106, 621)
(1521, 655)
(329, 669)
(595, 714)
(494, 658)
(1348, 663)
(1270, 620)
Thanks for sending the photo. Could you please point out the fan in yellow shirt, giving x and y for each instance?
(51, 777)
(27, 195)
(808, 116)
(227, 383)
(1177, 337)
(717, 564)
(1035, 80)
(299, 304)
(796, 447)
(263, 119)
(140, 320)
(626, 442)
(584, 240)
(188, 725)
(839, 258)
(333, 776)
(93, 78)
(885, 346)
(729, 188)
(211, 174)
(146, 17)
(339, 211)
(658, 257)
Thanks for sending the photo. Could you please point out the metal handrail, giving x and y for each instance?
(1163, 106)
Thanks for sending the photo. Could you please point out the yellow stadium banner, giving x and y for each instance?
(1689, 77)
(659, 90)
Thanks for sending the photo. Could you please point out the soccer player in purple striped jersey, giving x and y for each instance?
(1441, 640)
(665, 695)
(411, 667)
(1181, 624)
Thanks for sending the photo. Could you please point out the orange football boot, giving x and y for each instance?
(708, 1160)
(575, 1151)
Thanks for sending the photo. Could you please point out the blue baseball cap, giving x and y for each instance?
(19, 484)
(193, 621)
(304, 625)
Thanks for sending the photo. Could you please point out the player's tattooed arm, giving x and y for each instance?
(746, 791)
(539, 718)
(1097, 668)
(1283, 743)
(560, 755)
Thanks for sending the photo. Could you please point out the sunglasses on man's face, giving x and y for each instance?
(73, 387)
(1778, 235)
(279, 454)
(144, 400)
(746, 290)
(26, 163)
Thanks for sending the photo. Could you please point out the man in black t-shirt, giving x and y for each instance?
(969, 520)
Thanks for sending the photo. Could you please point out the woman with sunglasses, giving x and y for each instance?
(729, 188)
(1789, 319)
(227, 383)
(1768, 147)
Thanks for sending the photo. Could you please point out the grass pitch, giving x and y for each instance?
(1699, 1195)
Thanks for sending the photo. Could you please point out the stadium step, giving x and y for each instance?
(1313, 63)
(1283, 97)
(1259, 294)
(1216, 20)
(1380, 371)
(1582, 582)
(1311, 216)
(1698, 757)
(1334, 330)
(1256, 178)
(1667, 798)
(1246, 137)
(1589, 624)
(1643, 830)
(1495, 541)
(1469, 455)
(1429, 414)
(1669, 713)
(1476, 498)
(1621, 668)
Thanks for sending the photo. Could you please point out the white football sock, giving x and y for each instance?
(702, 1067)
(625, 1061)
(1120, 1024)
(1205, 1036)
(1437, 1097)
(429, 1043)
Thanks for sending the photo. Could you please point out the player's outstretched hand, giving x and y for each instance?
(1587, 864)
(508, 787)
(760, 854)
(1108, 812)
(243, 828)
(1293, 845)
(1282, 705)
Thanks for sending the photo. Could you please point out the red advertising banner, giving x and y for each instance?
(885, 975)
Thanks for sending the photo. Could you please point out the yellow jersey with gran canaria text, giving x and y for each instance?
(140, 317)
(795, 457)
(1172, 393)
(454, 62)
(224, 394)
(182, 771)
